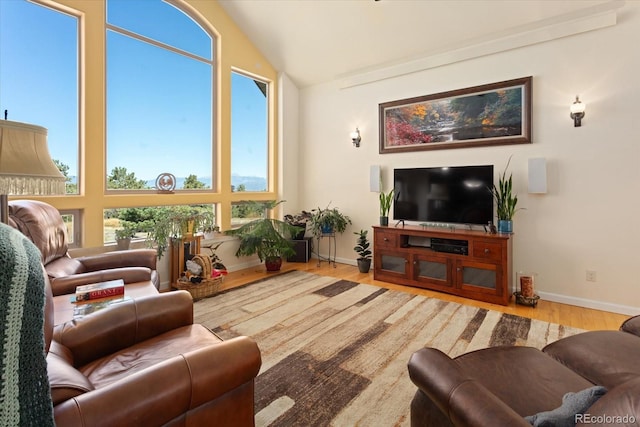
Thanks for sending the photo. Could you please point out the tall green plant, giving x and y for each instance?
(265, 237)
(506, 201)
(385, 202)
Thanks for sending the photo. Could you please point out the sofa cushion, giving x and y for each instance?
(64, 266)
(65, 381)
(605, 358)
(572, 405)
(145, 354)
(524, 378)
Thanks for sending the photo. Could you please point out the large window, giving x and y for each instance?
(135, 97)
(249, 133)
(39, 77)
(159, 95)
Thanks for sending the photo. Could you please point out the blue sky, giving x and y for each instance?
(158, 106)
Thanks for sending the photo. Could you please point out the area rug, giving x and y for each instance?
(335, 352)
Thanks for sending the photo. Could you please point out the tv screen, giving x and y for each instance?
(458, 195)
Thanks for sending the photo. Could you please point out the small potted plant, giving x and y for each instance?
(328, 221)
(208, 224)
(267, 238)
(124, 234)
(385, 206)
(362, 249)
(506, 201)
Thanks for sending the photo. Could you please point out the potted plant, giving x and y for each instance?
(328, 221)
(506, 201)
(362, 248)
(298, 220)
(208, 224)
(124, 234)
(172, 223)
(267, 238)
(385, 205)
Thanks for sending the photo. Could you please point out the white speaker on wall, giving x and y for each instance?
(538, 175)
(374, 178)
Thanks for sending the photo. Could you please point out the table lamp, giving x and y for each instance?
(26, 168)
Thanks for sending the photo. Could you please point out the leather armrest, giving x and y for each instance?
(631, 325)
(129, 258)
(124, 324)
(464, 401)
(67, 284)
(171, 389)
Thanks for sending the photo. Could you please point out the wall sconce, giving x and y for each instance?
(577, 112)
(355, 138)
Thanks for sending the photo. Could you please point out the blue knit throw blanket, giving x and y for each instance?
(25, 397)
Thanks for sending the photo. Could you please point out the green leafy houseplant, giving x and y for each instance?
(124, 234)
(506, 200)
(207, 222)
(328, 220)
(265, 237)
(173, 223)
(363, 251)
(385, 206)
(127, 230)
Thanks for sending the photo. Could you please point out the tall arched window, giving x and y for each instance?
(39, 77)
(159, 95)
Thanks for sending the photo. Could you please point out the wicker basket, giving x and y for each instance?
(208, 286)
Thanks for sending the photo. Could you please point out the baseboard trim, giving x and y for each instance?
(587, 303)
(564, 299)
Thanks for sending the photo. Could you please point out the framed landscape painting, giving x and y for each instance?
(491, 114)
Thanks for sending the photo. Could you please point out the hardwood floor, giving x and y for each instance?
(564, 314)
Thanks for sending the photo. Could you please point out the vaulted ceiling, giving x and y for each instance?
(316, 41)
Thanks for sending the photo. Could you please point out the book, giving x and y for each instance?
(99, 290)
(92, 306)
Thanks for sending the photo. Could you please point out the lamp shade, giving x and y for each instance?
(577, 107)
(26, 168)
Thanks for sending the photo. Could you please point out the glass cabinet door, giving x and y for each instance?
(432, 269)
(393, 263)
(483, 277)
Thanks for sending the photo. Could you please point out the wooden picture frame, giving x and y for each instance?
(491, 114)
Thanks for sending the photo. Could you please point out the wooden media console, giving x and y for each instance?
(471, 264)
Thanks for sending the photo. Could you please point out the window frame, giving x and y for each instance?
(213, 63)
(229, 53)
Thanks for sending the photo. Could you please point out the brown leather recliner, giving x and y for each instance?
(499, 386)
(144, 362)
(43, 225)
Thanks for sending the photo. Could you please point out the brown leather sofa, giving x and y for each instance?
(144, 362)
(499, 386)
(43, 225)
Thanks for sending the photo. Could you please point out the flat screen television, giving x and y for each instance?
(452, 195)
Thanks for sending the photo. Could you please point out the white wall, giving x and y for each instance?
(588, 218)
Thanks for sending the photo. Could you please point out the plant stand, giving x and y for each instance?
(331, 239)
(182, 249)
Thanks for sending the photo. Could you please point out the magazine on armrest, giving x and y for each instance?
(84, 308)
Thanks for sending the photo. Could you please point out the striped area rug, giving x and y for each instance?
(335, 352)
